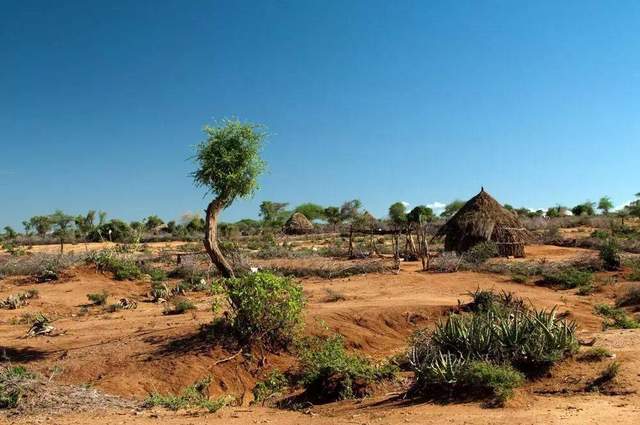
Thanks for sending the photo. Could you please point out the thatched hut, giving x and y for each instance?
(298, 224)
(482, 219)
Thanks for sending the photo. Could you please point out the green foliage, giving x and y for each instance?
(311, 211)
(584, 209)
(265, 308)
(153, 221)
(332, 215)
(179, 305)
(610, 255)
(556, 211)
(605, 205)
(616, 317)
(499, 380)
(568, 277)
(122, 268)
(272, 386)
(594, 354)
(274, 214)
(349, 210)
(500, 331)
(228, 161)
(398, 213)
(157, 275)
(194, 396)
(519, 278)
(113, 231)
(481, 252)
(98, 298)
(329, 372)
(12, 383)
(420, 214)
(451, 208)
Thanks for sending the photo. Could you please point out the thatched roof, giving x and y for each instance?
(481, 219)
(297, 224)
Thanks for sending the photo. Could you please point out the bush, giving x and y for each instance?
(272, 386)
(193, 396)
(499, 380)
(616, 317)
(501, 331)
(12, 382)
(607, 375)
(482, 252)
(610, 255)
(595, 354)
(264, 308)
(519, 278)
(179, 306)
(157, 275)
(98, 299)
(18, 300)
(568, 277)
(122, 268)
(635, 271)
(330, 373)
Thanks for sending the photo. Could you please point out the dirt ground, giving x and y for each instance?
(134, 352)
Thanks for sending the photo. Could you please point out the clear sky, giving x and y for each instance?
(101, 102)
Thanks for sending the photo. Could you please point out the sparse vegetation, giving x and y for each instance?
(12, 384)
(18, 300)
(630, 298)
(272, 386)
(610, 255)
(594, 354)
(98, 298)
(568, 277)
(179, 305)
(194, 396)
(616, 317)
(329, 372)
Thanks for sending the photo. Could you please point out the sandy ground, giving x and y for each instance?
(132, 353)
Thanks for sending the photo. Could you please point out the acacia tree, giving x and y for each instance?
(229, 164)
(333, 216)
(398, 217)
(605, 205)
(62, 226)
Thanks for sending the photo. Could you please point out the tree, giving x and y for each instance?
(41, 224)
(333, 217)
(451, 208)
(350, 210)
(605, 205)
(62, 226)
(556, 211)
(584, 209)
(420, 214)
(274, 214)
(228, 164)
(9, 233)
(311, 211)
(398, 214)
(152, 222)
(85, 224)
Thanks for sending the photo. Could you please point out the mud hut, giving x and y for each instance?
(298, 224)
(483, 219)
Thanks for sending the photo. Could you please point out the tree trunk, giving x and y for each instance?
(211, 239)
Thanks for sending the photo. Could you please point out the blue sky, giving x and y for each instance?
(418, 101)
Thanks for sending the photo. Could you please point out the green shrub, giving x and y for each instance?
(594, 354)
(600, 234)
(610, 255)
(272, 386)
(499, 330)
(519, 278)
(481, 252)
(195, 395)
(499, 380)
(329, 372)
(635, 271)
(122, 268)
(179, 306)
(12, 383)
(157, 275)
(99, 298)
(568, 277)
(264, 308)
(616, 317)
